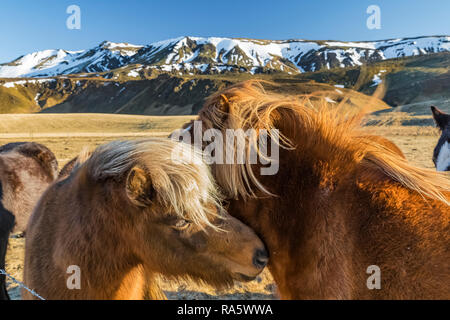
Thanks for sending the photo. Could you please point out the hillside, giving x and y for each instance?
(409, 84)
(162, 95)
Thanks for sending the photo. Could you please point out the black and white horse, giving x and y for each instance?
(441, 154)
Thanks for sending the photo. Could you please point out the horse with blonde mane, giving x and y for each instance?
(342, 205)
(127, 212)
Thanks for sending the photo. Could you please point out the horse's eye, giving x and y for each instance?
(182, 224)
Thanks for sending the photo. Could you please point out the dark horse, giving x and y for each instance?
(26, 170)
(345, 216)
(441, 153)
(6, 225)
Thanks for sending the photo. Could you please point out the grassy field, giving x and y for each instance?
(66, 134)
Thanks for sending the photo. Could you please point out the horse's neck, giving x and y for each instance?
(318, 227)
(324, 244)
(100, 248)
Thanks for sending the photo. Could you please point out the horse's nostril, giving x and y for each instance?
(260, 258)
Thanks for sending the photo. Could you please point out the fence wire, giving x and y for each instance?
(21, 284)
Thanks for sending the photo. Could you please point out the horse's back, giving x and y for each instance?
(387, 144)
(407, 236)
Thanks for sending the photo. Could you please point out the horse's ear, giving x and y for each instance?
(37, 151)
(42, 155)
(139, 187)
(46, 158)
(441, 118)
(224, 104)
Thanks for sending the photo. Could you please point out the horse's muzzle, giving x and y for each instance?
(260, 258)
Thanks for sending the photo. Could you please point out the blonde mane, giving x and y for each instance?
(184, 183)
(325, 129)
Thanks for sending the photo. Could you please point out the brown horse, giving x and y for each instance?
(132, 210)
(26, 170)
(341, 206)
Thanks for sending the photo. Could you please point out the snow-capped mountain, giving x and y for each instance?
(217, 55)
(106, 56)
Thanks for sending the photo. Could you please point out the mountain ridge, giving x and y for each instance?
(215, 55)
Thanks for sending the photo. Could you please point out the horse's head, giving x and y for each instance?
(238, 129)
(441, 153)
(26, 170)
(38, 152)
(170, 211)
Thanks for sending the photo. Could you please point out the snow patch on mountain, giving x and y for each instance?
(12, 84)
(377, 78)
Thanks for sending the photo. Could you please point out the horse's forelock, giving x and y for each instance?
(178, 173)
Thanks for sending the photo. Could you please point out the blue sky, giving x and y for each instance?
(30, 25)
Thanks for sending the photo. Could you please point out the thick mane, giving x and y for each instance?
(312, 125)
(177, 171)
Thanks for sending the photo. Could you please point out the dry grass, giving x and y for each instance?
(66, 134)
(42, 124)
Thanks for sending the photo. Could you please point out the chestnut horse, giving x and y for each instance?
(26, 170)
(441, 153)
(131, 210)
(343, 204)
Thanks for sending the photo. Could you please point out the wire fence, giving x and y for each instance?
(21, 284)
